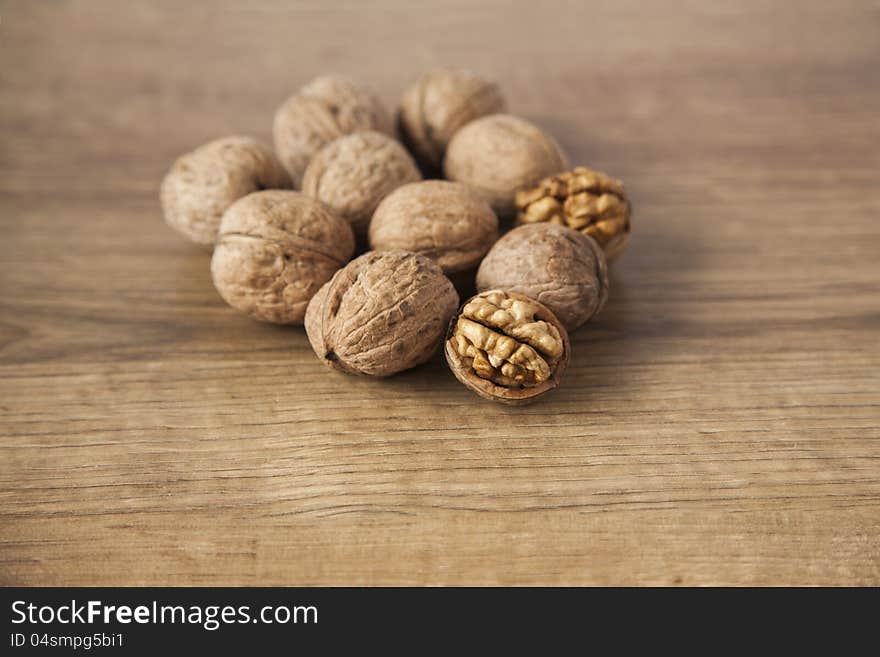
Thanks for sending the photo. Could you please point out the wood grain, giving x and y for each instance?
(720, 423)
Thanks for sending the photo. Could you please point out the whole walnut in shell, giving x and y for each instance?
(381, 314)
(586, 200)
(202, 184)
(507, 347)
(498, 155)
(560, 267)
(274, 251)
(442, 220)
(352, 174)
(438, 104)
(325, 109)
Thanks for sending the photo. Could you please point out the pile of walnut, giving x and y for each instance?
(285, 256)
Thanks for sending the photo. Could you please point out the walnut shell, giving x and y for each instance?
(586, 200)
(381, 314)
(352, 174)
(327, 108)
(507, 347)
(445, 221)
(274, 251)
(437, 105)
(498, 155)
(202, 184)
(560, 267)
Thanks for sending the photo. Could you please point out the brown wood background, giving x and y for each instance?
(720, 423)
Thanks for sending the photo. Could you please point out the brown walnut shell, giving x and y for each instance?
(381, 314)
(445, 221)
(437, 105)
(498, 155)
(274, 251)
(202, 184)
(588, 201)
(352, 174)
(507, 347)
(560, 267)
(327, 108)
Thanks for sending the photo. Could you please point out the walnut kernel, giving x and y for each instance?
(586, 200)
(498, 155)
(381, 314)
(560, 267)
(438, 104)
(352, 174)
(274, 251)
(203, 183)
(507, 347)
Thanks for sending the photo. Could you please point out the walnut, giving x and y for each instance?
(353, 173)
(439, 103)
(201, 184)
(327, 108)
(586, 200)
(442, 220)
(498, 155)
(560, 267)
(507, 347)
(274, 251)
(381, 314)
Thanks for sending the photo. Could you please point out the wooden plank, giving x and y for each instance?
(720, 423)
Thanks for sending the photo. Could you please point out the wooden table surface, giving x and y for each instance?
(720, 422)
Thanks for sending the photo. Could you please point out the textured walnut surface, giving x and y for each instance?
(202, 184)
(381, 314)
(327, 108)
(560, 267)
(438, 104)
(445, 221)
(350, 102)
(352, 174)
(500, 154)
(507, 347)
(586, 200)
(274, 251)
